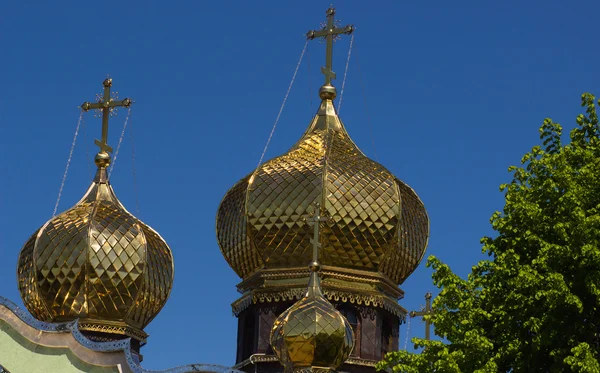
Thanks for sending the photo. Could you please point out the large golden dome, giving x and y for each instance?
(98, 263)
(378, 223)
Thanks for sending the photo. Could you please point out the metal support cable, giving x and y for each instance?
(62, 184)
(362, 86)
(310, 96)
(112, 166)
(345, 73)
(133, 170)
(407, 334)
(87, 149)
(282, 105)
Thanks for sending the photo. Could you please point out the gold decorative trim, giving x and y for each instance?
(264, 358)
(313, 370)
(113, 329)
(256, 358)
(363, 362)
(330, 275)
(332, 295)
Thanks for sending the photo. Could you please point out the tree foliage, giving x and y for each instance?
(534, 306)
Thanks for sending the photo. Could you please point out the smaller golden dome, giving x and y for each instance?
(98, 263)
(312, 334)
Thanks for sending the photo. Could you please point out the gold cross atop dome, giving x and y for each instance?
(315, 221)
(107, 104)
(312, 336)
(329, 33)
(96, 262)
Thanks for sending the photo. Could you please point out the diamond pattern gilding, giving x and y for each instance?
(113, 288)
(158, 279)
(413, 233)
(27, 280)
(312, 333)
(236, 248)
(60, 258)
(281, 195)
(378, 222)
(98, 263)
(361, 199)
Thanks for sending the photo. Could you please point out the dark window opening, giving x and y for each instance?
(352, 317)
(387, 337)
(249, 334)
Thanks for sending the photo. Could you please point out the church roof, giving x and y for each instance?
(378, 223)
(96, 262)
(33, 346)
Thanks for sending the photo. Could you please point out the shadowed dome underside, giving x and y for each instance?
(377, 222)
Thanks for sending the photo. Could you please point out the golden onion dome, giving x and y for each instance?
(312, 334)
(98, 263)
(378, 223)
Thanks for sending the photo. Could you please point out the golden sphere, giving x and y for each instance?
(314, 267)
(102, 159)
(327, 92)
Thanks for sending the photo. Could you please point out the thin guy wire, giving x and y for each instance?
(362, 86)
(62, 184)
(119, 143)
(407, 334)
(310, 96)
(282, 105)
(345, 73)
(87, 149)
(133, 171)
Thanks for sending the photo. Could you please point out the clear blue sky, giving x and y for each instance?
(456, 92)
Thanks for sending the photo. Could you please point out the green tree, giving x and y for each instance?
(534, 306)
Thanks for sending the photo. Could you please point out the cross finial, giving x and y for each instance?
(329, 32)
(427, 310)
(106, 104)
(315, 221)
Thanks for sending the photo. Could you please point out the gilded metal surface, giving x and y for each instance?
(106, 104)
(329, 33)
(98, 263)
(312, 333)
(264, 358)
(368, 299)
(378, 222)
(337, 284)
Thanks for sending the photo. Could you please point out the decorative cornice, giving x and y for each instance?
(312, 370)
(373, 279)
(264, 358)
(256, 358)
(368, 299)
(122, 346)
(113, 329)
(363, 362)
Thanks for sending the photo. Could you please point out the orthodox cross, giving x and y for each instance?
(315, 220)
(329, 33)
(107, 104)
(425, 311)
